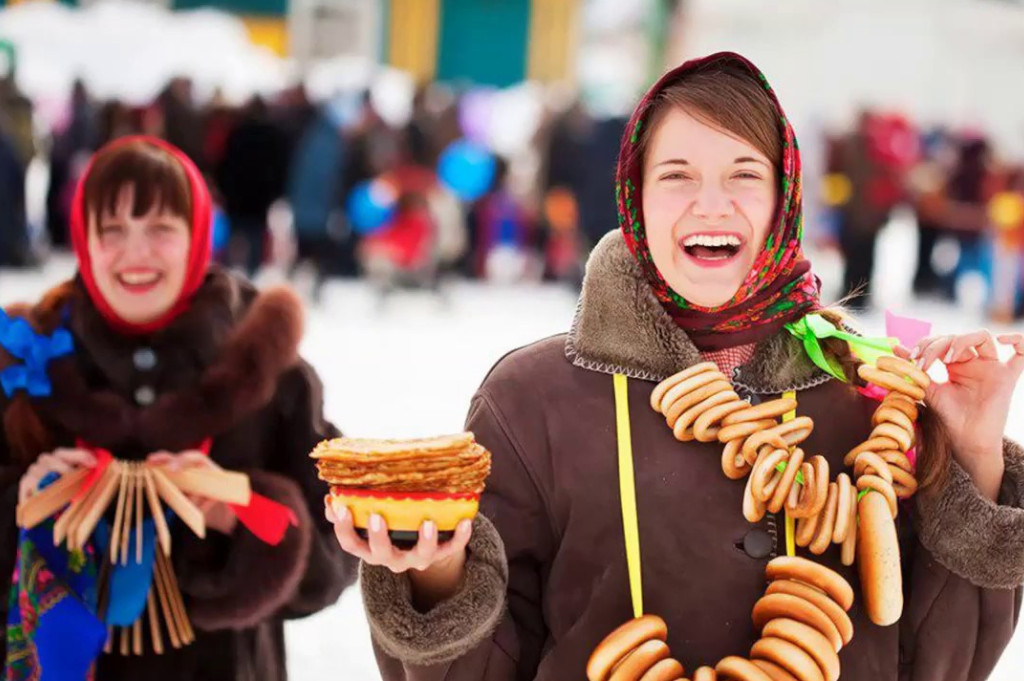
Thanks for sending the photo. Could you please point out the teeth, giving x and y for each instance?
(711, 240)
(139, 278)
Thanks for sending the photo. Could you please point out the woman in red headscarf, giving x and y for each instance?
(623, 481)
(165, 358)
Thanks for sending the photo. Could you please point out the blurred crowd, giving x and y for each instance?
(333, 189)
(967, 201)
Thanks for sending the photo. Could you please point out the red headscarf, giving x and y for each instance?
(199, 251)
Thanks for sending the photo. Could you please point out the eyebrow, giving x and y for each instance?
(684, 162)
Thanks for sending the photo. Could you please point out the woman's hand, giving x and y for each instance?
(974, 404)
(435, 571)
(59, 461)
(216, 514)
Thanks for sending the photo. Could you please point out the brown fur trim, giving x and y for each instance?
(621, 328)
(452, 628)
(257, 579)
(981, 541)
(260, 349)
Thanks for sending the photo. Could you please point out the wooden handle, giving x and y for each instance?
(179, 503)
(219, 485)
(107, 485)
(126, 520)
(165, 605)
(47, 502)
(140, 489)
(162, 532)
(154, 623)
(115, 530)
(67, 524)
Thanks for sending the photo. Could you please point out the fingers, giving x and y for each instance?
(195, 459)
(931, 349)
(458, 543)
(379, 550)
(203, 504)
(425, 551)
(951, 349)
(963, 348)
(1015, 340)
(47, 463)
(165, 459)
(345, 533)
(27, 486)
(190, 458)
(61, 461)
(76, 457)
(901, 352)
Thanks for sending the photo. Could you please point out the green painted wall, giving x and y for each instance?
(273, 8)
(483, 41)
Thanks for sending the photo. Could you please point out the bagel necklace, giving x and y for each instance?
(802, 618)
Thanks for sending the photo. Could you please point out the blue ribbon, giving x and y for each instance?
(129, 584)
(35, 351)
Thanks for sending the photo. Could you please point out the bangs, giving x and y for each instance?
(158, 179)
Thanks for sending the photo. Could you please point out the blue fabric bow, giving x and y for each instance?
(35, 352)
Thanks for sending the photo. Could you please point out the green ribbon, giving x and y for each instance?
(813, 328)
(781, 467)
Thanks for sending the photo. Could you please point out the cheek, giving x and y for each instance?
(174, 255)
(759, 207)
(662, 211)
(103, 259)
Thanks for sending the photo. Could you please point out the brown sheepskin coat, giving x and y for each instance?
(227, 368)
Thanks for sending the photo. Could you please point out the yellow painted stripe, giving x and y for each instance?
(790, 520)
(627, 493)
(413, 37)
(269, 32)
(552, 39)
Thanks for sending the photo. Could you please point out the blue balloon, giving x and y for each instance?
(221, 230)
(467, 168)
(370, 206)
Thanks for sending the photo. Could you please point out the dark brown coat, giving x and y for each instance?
(552, 508)
(227, 368)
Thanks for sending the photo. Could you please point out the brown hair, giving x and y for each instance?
(158, 178)
(934, 447)
(22, 427)
(727, 95)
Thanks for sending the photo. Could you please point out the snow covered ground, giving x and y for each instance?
(410, 369)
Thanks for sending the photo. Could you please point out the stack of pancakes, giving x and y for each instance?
(407, 482)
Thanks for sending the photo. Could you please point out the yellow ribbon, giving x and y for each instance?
(790, 520)
(627, 493)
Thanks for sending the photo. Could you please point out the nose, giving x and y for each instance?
(712, 203)
(137, 244)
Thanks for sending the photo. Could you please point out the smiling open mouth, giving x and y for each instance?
(712, 247)
(138, 281)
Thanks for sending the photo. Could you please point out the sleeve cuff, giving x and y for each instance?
(973, 537)
(254, 580)
(452, 628)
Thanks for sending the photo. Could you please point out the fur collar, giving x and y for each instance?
(236, 343)
(620, 328)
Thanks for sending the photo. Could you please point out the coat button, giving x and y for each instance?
(145, 396)
(144, 359)
(757, 543)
